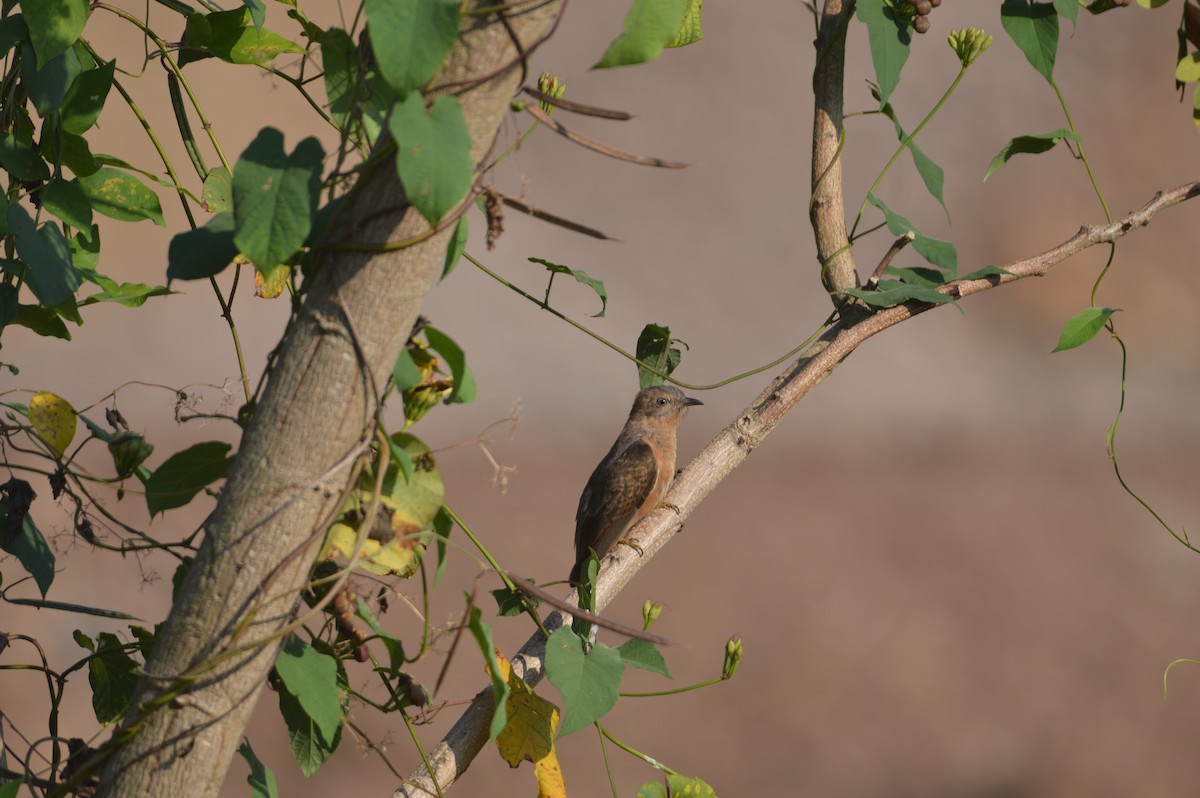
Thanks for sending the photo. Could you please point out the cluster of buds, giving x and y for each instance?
(550, 85)
(918, 10)
(969, 44)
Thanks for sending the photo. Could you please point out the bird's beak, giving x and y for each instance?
(689, 401)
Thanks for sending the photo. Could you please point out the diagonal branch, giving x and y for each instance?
(729, 449)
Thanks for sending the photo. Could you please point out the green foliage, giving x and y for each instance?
(656, 347)
(938, 252)
(261, 779)
(47, 256)
(410, 39)
(588, 680)
(310, 677)
(650, 26)
(275, 197)
(184, 474)
(1082, 327)
(458, 244)
(643, 655)
(580, 276)
(1031, 145)
(113, 675)
(677, 786)
(456, 360)
(482, 632)
(1033, 27)
(931, 174)
(433, 154)
(121, 196)
(54, 25)
(890, 38)
(233, 37)
(20, 537)
(203, 252)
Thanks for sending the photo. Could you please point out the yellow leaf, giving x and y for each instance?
(53, 419)
(529, 733)
(271, 285)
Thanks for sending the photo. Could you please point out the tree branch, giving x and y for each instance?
(728, 450)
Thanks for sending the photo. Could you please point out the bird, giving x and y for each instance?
(634, 476)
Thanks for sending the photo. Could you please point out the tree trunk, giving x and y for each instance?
(315, 420)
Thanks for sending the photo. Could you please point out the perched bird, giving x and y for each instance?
(634, 476)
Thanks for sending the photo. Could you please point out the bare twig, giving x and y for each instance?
(592, 144)
(578, 108)
(899, 244)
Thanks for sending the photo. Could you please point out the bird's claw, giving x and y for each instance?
(633, 544)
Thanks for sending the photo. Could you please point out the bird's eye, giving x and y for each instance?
(663, 401)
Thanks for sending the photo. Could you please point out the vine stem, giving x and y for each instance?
(904, 145)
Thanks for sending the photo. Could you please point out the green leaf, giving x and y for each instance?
(121, 196)
(85, 99)
(75, 154)
(395, 648)
(482, 632)
(511, 602)
(27, 545)
(311, 677)
(656, 347)
(458, 244)
(589, 682)
(54, 25)
(986, 271)
(66, 200)
(690, 30)
(1082, 327)
(464, 381)
(433, 154)
(42, 321)
(676, 786)
(218, 190)
(13, 31)
(11, 788)
(186, 473)
(258, 12)
(231, 36)
(1033, 27)
(21, 160)
(931, 174)
(580, 276)
(1029, 145)
(643, 654)
(47, 85)
(892, 292)
(343, 85)
(442, 527)
(47, 256)
(10, 304)
(113, 676)
(275, 197)
(938, 252)
(309, 745)
(1068, 9)
(649, 26)
(83, 641)
(261, 779)
(411, 39)
(930, 278)
(890, 38)
(203, 252)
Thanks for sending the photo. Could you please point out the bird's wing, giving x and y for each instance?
(616, 492)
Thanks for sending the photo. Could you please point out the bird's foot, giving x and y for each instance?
(633, 544)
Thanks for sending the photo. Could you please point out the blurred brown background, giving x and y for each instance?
(941, 587)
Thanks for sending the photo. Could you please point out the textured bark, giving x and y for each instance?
(315, 419)
(826, 209)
